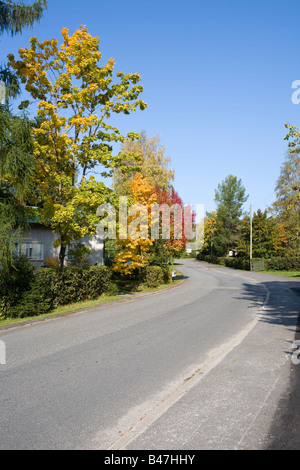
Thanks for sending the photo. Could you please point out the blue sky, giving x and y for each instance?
(217, 79)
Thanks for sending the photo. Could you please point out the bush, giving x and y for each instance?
(185, 255)
(167, 274)
(237, 263)
(283, 264)
(154, 276)
(30, 293)
(34, 302)
(207, 258)
(272, 264)
(72, 285)
(98, 280)
(229, 262)
(15, 280)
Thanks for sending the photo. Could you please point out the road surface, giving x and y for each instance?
(207, 365)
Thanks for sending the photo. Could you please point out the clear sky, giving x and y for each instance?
(217, 77)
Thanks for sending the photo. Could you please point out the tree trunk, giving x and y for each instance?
(62, 255)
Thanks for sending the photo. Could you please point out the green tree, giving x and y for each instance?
(210, 222)
(16, 149)
(287, 204)
(268, 236)
(16, 169)
(230, 197)
(15, 16)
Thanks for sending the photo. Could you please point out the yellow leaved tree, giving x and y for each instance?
(137, 242)
(73, 139)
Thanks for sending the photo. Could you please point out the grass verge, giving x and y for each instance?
(62, 310)
(293, 274)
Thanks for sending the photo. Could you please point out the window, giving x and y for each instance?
(33, 250)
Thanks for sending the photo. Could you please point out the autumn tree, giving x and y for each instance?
(146, 156)
(74, 139)
(137, 242)
(179, 220)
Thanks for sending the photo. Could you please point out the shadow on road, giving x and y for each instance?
(283, 304)
(284, 433)
(282, 308)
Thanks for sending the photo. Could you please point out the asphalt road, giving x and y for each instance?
(206, 365)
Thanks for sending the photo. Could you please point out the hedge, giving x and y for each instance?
(237, 263)
(53, 287)
(272, 264)
(211, 259)
(283, 264)
(229, 262)
(72, 285)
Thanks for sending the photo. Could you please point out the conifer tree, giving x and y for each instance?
(15, 136)
(230, 197)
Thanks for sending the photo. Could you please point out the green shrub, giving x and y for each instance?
(34, 302)
(26, 292)
(112, 289)
(283, 264)
(222, 260)
(237, 263)
(185, 255)
(154, 276)
(229, 262)
(99, 281)
(72, 285)
(167, 274)
(209, 259)
(15, 280)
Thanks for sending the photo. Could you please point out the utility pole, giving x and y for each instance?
(251, 235)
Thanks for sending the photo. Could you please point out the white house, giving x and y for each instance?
(37, 245)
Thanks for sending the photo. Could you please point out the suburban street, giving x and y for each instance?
(204, 365)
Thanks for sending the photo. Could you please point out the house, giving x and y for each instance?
(38, 246)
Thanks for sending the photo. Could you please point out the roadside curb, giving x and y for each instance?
(127, 298)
